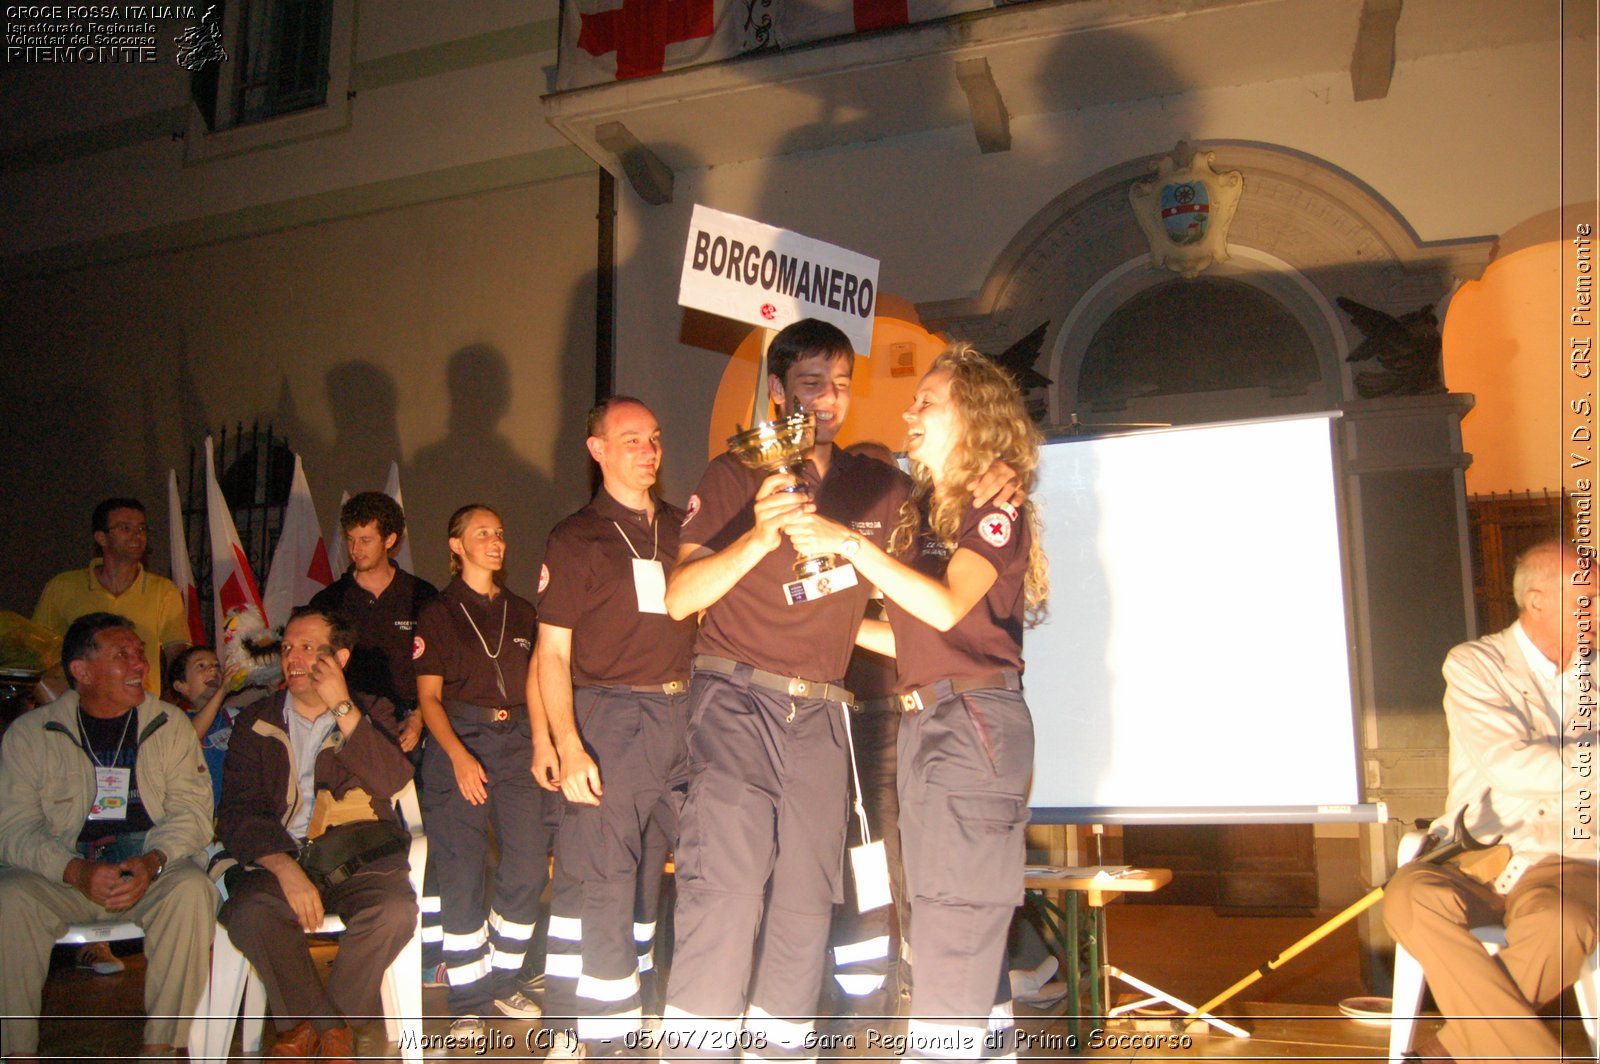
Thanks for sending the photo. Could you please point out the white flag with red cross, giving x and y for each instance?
(799, 21)
(182, 569)
(300, 563)
(402, 555)
(615, 40)
(239, 619)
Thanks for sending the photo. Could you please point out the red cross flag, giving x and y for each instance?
(239, 618)
(182, 570)
(300, 563)
(614, 40)
(799, 21)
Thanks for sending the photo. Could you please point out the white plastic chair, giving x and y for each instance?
(233, 979)
(122, 931)
(1409, 981)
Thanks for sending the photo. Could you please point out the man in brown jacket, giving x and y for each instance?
(307, 765)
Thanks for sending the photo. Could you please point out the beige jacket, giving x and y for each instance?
(47, 786)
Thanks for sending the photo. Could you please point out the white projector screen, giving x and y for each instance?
(1195, 666)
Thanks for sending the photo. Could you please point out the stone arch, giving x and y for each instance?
(1305, 233)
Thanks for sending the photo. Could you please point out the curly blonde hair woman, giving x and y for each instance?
(962, 581)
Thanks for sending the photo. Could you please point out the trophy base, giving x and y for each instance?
(837, 576)
(815, 565)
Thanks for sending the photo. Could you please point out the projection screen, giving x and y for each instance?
(1196, 663)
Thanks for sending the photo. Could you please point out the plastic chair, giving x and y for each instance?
(233, 980)
(123, 931)
(1409, 980)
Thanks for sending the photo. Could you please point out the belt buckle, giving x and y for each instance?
(800, 688)
(911, 703)
(672, 687)
(501, 713)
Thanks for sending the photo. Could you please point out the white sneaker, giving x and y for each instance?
(519, 1006)
(565, 1046)
(1025, 982)
(469, 1026)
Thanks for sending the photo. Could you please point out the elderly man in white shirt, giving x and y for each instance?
(1520, 705)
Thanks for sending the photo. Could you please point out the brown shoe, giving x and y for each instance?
(339, 1046)
(297, 1045)
(1432, 1051)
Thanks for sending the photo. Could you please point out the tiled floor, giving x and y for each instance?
(1189, 951)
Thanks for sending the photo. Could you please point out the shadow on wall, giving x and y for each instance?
(475, 462)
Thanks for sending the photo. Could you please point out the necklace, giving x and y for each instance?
(655, 542)
(494, 657)
(89, 747)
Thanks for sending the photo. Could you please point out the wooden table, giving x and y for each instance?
(1097, 885)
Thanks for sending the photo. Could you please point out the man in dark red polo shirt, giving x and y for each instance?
(613, 670)
(382, 600)
(762, 831)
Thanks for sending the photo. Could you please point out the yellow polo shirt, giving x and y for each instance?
(151, 602)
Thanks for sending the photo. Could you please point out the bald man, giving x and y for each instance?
(1520, 708)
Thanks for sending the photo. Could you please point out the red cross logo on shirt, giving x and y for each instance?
(995, 529)
(640, 30)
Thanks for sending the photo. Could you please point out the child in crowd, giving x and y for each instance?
(197, 689)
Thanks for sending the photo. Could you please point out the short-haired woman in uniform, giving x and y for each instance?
(961, 582)
(472, 677)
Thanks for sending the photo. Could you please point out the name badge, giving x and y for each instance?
(820, 585)
(111, 786)
(650, 585)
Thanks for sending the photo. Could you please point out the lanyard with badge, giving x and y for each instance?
(111, 783)
(649, 577)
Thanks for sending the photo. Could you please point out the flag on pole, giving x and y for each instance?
(402, 556)
(300, 563)
(338, 556)
(182, 570)
(242, 633)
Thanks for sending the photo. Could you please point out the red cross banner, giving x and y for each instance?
(299, 566)
(799, 21)
(615, 40)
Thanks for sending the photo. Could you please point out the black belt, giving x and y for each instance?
(793, 686)
(934, 693)
(484, 714)
(671, 687)
(886, 704)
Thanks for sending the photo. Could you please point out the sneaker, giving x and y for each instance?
(469, 1026)
(565, 1046)
(435, 976)
(519, 1006)
(98, 956)
(534, 984)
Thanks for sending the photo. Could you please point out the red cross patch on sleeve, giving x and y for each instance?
(544, 578)
(995, 528)
(417, 647)
(691, 509)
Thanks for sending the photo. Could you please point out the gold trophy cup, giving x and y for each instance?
(780, 446)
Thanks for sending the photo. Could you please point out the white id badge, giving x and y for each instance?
(650, 585)
(111, 786)
(871, 867)
(815, 587)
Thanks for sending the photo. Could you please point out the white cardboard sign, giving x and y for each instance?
(773, 277)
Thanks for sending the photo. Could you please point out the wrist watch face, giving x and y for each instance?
(342, 708)
(849, 547)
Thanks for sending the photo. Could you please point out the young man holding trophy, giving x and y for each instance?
(763, 825)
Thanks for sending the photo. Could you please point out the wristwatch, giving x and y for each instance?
(850, 546)
(342, 708)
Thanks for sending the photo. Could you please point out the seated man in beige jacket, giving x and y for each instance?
(104, 802)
